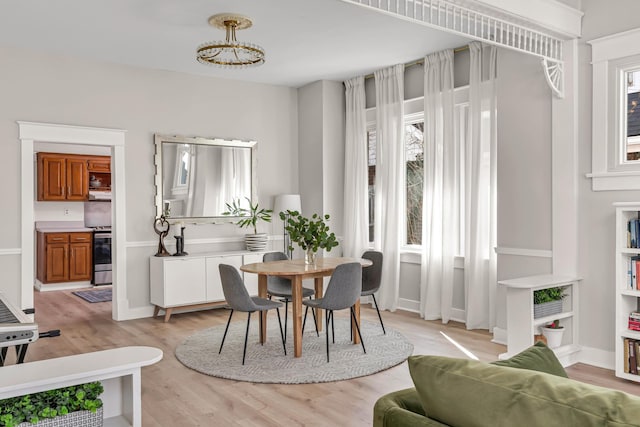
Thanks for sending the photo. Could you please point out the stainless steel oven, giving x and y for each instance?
(102, 257)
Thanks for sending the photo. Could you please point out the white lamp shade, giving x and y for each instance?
(287, 202)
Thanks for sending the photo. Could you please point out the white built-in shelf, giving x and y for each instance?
(521, 324)
(117, 369)
(626, 298)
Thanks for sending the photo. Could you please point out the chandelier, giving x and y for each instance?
(230, 53)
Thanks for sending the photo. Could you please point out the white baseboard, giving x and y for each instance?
(596, 357)
(135, 313)
(408, 305)
(61, 286)
(458, 315)
(499, 336)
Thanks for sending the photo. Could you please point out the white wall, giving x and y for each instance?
(143, 102)
(596, 219)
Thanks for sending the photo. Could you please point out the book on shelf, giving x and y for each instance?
(631, 349)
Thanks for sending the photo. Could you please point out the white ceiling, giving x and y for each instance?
(304, 40)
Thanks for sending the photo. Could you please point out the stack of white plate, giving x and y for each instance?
(256, 242)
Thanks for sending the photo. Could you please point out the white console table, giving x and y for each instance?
(193, 281)
(117, 369)
(521, 325)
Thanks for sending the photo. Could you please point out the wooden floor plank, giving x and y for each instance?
(173, 395)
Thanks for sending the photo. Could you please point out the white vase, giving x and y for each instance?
(256, 241)
(553, 336)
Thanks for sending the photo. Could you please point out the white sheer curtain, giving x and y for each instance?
(440, 211)
(480, 198)
(356, 208)
(389, 179)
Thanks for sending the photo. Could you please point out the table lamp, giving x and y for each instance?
(284, 203)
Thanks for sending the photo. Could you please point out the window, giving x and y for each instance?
(181, 175)
(632, 122)
(414, 162)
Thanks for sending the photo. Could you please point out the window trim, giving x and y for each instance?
(612, 56)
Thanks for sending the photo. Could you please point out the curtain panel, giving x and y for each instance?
(389, 179)
(440, 206)
(356, 186)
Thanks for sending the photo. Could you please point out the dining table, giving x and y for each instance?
(297, 270)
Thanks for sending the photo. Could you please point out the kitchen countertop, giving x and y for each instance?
(61, 226)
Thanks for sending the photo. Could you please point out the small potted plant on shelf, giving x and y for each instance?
(547, 302)
(311, 234)
(68, 406)
(249, 217)
(553, 333)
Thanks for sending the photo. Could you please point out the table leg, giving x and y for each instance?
(319, 283)
(262, 293)
(296, 296)
(354, 331)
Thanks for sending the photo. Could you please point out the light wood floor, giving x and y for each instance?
(173, 395)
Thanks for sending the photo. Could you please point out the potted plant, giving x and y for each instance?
(249, 218)
(547, 302)
(553, 333)
(67, 406)
(310, 234)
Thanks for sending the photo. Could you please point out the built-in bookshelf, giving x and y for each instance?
(627, 261)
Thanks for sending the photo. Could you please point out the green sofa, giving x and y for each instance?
(531, 389)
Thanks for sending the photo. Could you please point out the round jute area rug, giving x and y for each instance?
(268, 364)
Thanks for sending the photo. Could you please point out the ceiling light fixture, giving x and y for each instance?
(230, 53)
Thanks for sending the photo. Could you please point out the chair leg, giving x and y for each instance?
(353, 315)
(326, 328)
(333, 330)
(315, 321)
(225, 332)
(304, 320)
(260, 326)
(379, 317)
(286, 317)
(281, 334)
(246, 335)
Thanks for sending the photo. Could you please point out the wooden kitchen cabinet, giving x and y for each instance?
(63, 257)
(62, 177)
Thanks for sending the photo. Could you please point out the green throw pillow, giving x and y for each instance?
(469, 393)
(538, 357)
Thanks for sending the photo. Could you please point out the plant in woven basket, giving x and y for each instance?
(50, 404)
(542, 296)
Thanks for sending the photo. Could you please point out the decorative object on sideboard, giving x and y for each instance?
(95, 182)
(547, 302)
(283, 204)
(230, 53)
(180, 240)
(249, 217)
(68, 406)
(553, 332)
(310, 234)
(162, 227)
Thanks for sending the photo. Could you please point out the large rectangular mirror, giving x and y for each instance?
(197, 177)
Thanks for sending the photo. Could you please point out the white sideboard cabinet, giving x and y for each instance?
(193, 281)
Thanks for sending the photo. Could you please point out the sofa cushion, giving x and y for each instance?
(538, 357)
(468, 393)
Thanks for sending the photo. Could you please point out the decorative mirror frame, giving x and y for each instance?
(176, 139)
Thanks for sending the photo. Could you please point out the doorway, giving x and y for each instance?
(30, 133)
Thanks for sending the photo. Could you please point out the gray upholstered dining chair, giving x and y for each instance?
(371, 277)
(237, 297)
(342, 292)
(280, 287)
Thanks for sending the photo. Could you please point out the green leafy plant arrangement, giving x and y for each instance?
(50, 404)
(248, 217)
(548, 295)
(308, 233)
